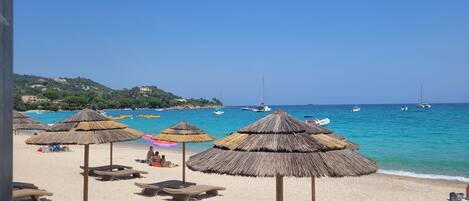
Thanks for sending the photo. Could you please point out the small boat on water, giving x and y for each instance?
(149, 116)
(246, 109)
(318, 122)
(262, 108)
(218, 112)
(423, 104)
(356, 108)
(159, 109)
(404, 108)
(121, 117)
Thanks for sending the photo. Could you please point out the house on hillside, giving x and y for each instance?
(28, 99)
(145, 90)
(32, 99)
(60, 80)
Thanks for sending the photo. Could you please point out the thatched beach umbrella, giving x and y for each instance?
(85, 128)
(280, 145)
(24, 122)
(183, 132)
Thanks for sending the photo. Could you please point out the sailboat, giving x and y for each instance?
(422, 104)
(262, 107)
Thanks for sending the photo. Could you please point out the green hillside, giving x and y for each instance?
(77, 93)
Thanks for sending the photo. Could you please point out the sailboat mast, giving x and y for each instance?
(262, 99)
(421, 93)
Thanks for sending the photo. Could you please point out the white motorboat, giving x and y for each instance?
(218, 112)
(356, 108)
(319, 122)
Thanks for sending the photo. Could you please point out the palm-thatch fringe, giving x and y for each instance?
(99, 125)
(282, 124)
(281, 145)
(231, 141)
(86, 115)
(62, 127)
(88, 131)
(23, 122)
(337, 163)
(85, 137)
(183, 132)
(183, 138)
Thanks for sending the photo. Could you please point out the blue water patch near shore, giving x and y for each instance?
(424, 142)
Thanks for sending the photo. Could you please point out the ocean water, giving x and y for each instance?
(430, 143)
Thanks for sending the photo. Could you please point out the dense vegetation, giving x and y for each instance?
(78, 93)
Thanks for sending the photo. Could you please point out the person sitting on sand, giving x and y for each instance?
(150, 155)
(165, 163)
(156, 157)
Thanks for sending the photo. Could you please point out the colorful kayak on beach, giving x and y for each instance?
(160, 143)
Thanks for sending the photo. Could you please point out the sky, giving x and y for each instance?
(309, 52)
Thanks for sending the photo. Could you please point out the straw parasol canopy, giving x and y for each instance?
(85, 128)
(280, 145)
(183, 132)
(24, 122)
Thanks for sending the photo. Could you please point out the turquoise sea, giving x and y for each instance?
(431, 143)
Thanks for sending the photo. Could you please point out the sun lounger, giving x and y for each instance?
(106, 168)
(21, 185)
(184, 194)
(111, 175)
(34, 194)
(153, 189)
(455, 196)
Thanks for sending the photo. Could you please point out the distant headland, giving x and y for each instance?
(62, 93)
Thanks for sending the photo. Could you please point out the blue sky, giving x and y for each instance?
(326, 52)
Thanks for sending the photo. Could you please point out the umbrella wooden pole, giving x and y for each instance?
(313, 189)
(183, 162)
(279, 187)
(467, 191)
(86, 173)
(110, 162)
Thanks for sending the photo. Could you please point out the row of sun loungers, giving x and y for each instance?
(179, 190)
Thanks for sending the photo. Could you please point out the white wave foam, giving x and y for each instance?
(424, 176)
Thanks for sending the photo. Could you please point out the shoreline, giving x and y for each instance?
(183, 107)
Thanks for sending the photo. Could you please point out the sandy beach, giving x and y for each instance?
(60, 173)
